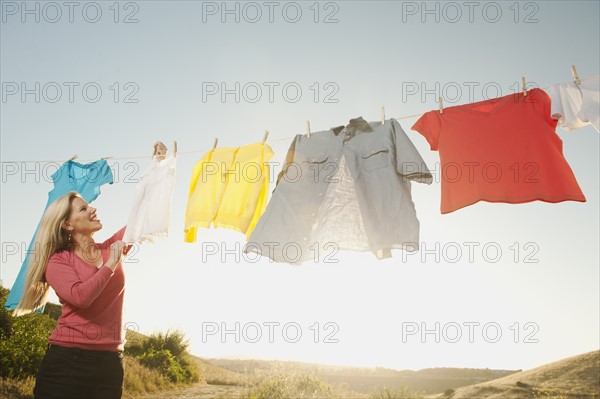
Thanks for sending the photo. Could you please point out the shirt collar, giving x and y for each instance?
(355, 124)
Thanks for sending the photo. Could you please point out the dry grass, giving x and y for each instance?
(574, 377)
(216, 375)
(140, 380)
(288, 382)
(16, 389)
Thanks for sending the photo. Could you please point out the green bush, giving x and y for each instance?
(174, 342)
(5, 317)
(165, 363)
(23, 341)
(53, 310)
(166, 353)
(192, 374)
(5, 324)
(134, 350)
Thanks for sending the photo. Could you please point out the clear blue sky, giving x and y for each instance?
(369, 58)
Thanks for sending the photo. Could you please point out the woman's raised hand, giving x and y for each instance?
(118, 250)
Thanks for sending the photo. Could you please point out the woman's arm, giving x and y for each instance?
(61, 276)
(115, 237)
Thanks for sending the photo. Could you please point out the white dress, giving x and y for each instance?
(151, 210)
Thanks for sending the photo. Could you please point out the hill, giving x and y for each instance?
(574, 377)
(365, 380)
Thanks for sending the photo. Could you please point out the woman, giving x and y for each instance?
(85, 352)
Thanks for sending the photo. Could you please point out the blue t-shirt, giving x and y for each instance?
(71, 176)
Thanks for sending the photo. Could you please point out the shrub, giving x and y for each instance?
(5, 317)
(23, 341)
(165, 363)
(134, 350)
(53, 310)
(172, 341)
(166, 353)
(192, 373)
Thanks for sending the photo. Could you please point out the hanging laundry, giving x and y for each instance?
(345, 188)
(499, 150)
(229, 189)
(71, 176)
(575, 105)
(151, 211)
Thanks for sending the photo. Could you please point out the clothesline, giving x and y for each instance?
(178, 152)
(194, 151)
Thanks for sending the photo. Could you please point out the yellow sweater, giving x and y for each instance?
(229, 188)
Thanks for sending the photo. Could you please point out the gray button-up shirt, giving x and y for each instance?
(381, 161)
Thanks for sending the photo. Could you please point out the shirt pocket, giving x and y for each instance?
(375, 158)
(314, 165)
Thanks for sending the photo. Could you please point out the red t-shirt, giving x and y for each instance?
(91, 298)
(499, 150)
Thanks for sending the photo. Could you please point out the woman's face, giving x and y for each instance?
(83, 218)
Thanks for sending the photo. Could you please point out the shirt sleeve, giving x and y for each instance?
(106, 176)
(409, 162)
(556, 109)
(101, 175)
(289, 159)
(565, 103)
(63, 278)
(115, 237)
(429, 125)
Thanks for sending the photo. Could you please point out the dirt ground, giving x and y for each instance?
(199, 391)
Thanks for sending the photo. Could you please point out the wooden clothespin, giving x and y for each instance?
(74, 157)
(575, 76)
(105, 158)
(160, 150)
(524, 86)
(308, 129)
(174, 148)
(382, 115)
(441, 106)
(265, 136)
(215, 144)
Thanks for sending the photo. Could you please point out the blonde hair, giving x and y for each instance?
(50, 239)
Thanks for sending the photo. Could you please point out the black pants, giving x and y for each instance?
(73, 373)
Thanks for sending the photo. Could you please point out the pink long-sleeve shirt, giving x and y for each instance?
(91, 298)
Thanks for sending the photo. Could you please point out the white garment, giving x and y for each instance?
(566, 104)
(576, 106)
(339, 222)
(151, 210)
(590, 109)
